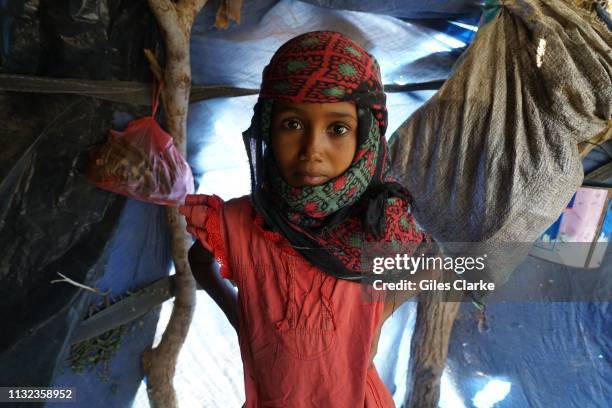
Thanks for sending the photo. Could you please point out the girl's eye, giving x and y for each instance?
(292, 124)
(339, 130)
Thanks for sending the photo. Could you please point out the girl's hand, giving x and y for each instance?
(200, 211)
(196, 210)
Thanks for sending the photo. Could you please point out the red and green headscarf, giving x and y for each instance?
(329, 224)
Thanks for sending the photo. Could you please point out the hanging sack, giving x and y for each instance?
(142, 162)
(492, 157)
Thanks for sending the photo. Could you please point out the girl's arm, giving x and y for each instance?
(395, 299)
(206, 272)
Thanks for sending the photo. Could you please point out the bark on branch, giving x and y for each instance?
(429, 347)
(175, 21)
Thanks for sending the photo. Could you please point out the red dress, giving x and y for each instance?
(305, 337)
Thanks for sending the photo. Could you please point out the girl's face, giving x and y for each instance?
(313, 142)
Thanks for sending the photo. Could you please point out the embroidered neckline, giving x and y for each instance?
(272, 236)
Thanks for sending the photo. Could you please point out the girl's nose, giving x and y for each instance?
(312, 145)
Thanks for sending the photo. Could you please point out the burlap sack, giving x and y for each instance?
(492, 157)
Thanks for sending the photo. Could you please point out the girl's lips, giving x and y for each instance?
(311, 179)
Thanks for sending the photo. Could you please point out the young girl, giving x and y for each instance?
(320, 192)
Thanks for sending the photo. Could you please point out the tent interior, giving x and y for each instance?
(528, 353)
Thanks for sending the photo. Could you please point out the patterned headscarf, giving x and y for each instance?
(330, 223)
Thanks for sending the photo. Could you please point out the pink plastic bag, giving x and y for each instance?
(142, 162)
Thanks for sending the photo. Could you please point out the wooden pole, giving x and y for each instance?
(175, 20)
(429, 347)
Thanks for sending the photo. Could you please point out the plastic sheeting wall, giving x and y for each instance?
(51, 218)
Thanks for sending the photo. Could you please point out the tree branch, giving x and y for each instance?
(175, 21)
(429, 346)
